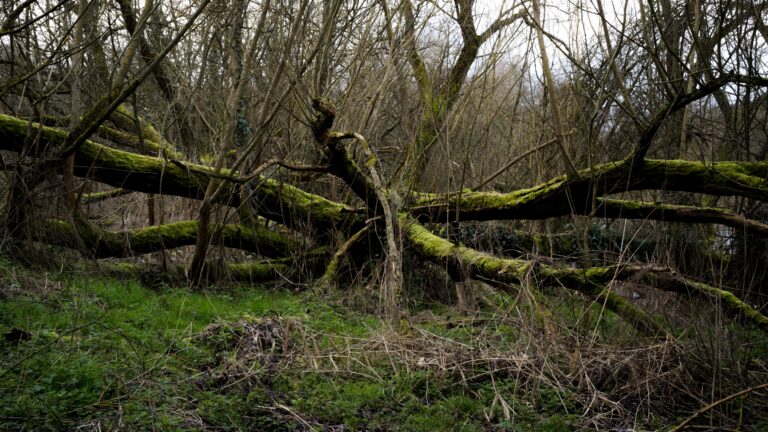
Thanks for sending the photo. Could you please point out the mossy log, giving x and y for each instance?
(100, 243)
(126, 134)
(575, 194)
(477, 264)
(295, 208)
(506, 241)
(591, 281)
(662, 278)
(95, 197)
(561, 196)
(671, 281)
(134, 142)
(257, 271)
(252, 272)
(301, 267)
(277, 201)
(611, 208)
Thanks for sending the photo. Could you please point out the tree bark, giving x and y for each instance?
(99, 243)
(280, 202)
(293, 208)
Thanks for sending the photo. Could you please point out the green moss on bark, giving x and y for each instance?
(575, 194)
(283, 203)
(478, 264)
(102, 244)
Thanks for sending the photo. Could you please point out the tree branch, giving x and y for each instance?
(100, 243)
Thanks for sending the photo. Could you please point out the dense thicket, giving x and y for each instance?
(318, 141)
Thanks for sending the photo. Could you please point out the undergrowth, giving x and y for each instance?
(85, 352)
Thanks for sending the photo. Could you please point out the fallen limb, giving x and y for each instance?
(277, 201)
(100, 243)
(592, 281)
(294, 269)
(665, 279)
(331, 270)
(130, 140)
(95, 197)
(679, 213)
(567, 195)
(672, 281)
(508, 242)
(264, 271)
(481, 265)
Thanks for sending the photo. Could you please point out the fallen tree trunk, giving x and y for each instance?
(283, 270)
(280, 202)
(575, 194)
(100, 243)
(559, 197)
(590, 281)
(462, 260)
(670, 281)
(295, 208)
(616, 209)
(509, 242)
(95, 197)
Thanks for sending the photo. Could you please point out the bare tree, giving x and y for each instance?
(306, 130)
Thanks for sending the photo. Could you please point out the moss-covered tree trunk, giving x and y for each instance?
(293, 208)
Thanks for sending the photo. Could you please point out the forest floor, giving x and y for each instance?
(90, 352)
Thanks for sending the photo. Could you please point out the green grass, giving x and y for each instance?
(99, 345)
(116, 354)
